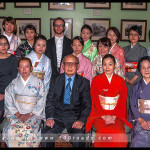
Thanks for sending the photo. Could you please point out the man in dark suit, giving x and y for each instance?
(58, 47)
(67, 109)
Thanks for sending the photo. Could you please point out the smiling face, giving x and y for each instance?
(40, 46)
(77, 47)
(9, 27)
(145, 69)
(86, 34)
(112, 36)
(103, 50)
(30, 34)
(59, 28)
(134, 37)
(3, 46)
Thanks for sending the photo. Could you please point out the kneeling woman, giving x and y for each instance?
(24, 108)
(109, 112)
(139, 112)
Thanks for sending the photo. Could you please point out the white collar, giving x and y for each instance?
(145, 81)
(25, 82)
(112, 47)
(8, 37)
(109, 79)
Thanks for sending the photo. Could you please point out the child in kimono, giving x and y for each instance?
(24, 108)
(86, 68)
(10, 29)
(89, 49)
(109, 113)
(139, 112)
(40, 62)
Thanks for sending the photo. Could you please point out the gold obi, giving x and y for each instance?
(108, 103)
(144, 106)
(131, 66)
(26, 103)
(39, 74)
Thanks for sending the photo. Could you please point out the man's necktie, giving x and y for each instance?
(67, 95)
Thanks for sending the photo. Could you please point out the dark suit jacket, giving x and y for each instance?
(80, 102)
(51, 53)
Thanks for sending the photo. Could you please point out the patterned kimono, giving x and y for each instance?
(24, 99)
(108, 98)
(85, 69)
(140, 108)
(42, 69)
(89, 50)
(118, 53)
(14, 43)
(97, 67)
(23, 50)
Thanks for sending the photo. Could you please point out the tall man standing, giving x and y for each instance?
(58, 47)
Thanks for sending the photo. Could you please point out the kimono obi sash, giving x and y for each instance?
(26, 103)
(108, 103)
(144, 106)
(81, 74)
(39, 74)
(131, 66)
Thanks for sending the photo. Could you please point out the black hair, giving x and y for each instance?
(109, 56)
(86, 26)
(79, 38)
(31, 27)
(40, 37)
(136, 29)
(58, 18)
(105, 41)
(4, 37)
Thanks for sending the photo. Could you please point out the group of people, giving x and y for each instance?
(73, 85)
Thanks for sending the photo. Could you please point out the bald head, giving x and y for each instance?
(71, 56)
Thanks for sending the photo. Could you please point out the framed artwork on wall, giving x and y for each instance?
(27, 4)
(68, 25)
(23, 22)
(99, 27)
(133, 5)
(100, 5)
(1, 21)
(126, 24)
(2, 5)
(61, 6)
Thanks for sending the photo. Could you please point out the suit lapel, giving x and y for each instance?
(62, 88)
(64, 52)
(54, 52)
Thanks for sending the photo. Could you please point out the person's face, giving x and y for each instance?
(108, 66)
(40, 46)
(3, 46)
(145, 69)
(59, 27)
(77, 47)
(30, 34)
(9, 27)
(70, 66)
(112, 36)
(103, 50)
(134, 36)
(24, 69)
(86, 34)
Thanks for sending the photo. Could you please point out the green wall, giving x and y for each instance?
(78, 15)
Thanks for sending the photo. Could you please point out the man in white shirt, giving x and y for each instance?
(58, 47)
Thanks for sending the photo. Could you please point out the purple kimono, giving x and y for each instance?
(140, 92)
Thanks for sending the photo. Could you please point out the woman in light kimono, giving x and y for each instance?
(114, 35)
(139, 112)
(86, 68)
(89, 49)
(24, 108)
(27, 47)
(40, 62)
(10, 29)
(103, 46)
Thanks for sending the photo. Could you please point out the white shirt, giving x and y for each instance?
(24, 82)
(109, 79)
(59, 48)
(8, 37)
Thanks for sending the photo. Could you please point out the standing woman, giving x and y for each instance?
(108, 114)
(89, 49)
(8, 70)
(27, 47)
(10, 29)
(133, 53)
(114, 35)
(85, 65)
(40, 62)
(139, 113)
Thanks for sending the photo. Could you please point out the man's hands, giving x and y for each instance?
(50, 123)
(144, 124)
(77, 124)
(1, 97)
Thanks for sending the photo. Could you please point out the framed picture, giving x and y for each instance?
(133, 5)
(68, 25)
(61, 6)
(99, 27)
(2, 5)
(27, 4)
(23, 22)
(1, 21)
(100, 5)
(126, 24)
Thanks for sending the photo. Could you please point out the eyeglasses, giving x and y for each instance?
(144, 68)
(59, 25)
(133, 35)
(72, 64)
(5, 44)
